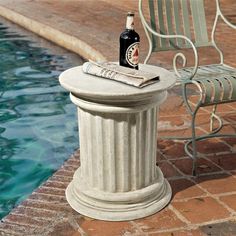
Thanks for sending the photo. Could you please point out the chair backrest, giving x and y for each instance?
(178, 17)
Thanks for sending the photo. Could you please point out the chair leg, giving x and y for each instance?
(194, 152)
(212, 117)
(193, 111)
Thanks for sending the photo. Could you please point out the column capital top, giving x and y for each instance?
(94, 88)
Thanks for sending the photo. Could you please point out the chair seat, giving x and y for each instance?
(217, 82)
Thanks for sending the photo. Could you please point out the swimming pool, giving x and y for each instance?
(37, 120)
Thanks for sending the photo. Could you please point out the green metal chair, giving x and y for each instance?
(181, 24)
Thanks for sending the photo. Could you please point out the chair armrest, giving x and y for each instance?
(148, 30)
(219, 13)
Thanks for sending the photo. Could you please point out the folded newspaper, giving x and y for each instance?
(118, 73)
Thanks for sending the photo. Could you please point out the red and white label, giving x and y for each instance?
(132, 54)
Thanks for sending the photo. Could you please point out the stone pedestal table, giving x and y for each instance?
(118, 178)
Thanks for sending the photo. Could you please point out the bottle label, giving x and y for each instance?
(132, 54)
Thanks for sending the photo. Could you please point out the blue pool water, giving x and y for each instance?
(38, 129)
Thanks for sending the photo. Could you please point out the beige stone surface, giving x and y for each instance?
(92, 22)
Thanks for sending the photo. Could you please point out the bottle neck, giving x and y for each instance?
(130, 23)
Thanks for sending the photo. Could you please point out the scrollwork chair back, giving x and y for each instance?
(181, 24)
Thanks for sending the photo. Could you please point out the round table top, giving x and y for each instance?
(95, 88)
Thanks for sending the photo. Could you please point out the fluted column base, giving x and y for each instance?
(118, 178)
(118, 206)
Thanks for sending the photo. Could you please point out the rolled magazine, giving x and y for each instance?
(112, 71)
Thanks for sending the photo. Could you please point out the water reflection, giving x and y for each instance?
(37, 120)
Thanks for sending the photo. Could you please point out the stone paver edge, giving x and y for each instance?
(62, 39)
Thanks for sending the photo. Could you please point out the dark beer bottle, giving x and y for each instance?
(129, 44)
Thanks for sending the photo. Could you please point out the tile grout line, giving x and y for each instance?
(9, 233)
(137, 227)
(76, 226)
(37, 218)
(216, 197)
(178, 214)
(208, 194)
(33, 208)
(193, 226)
